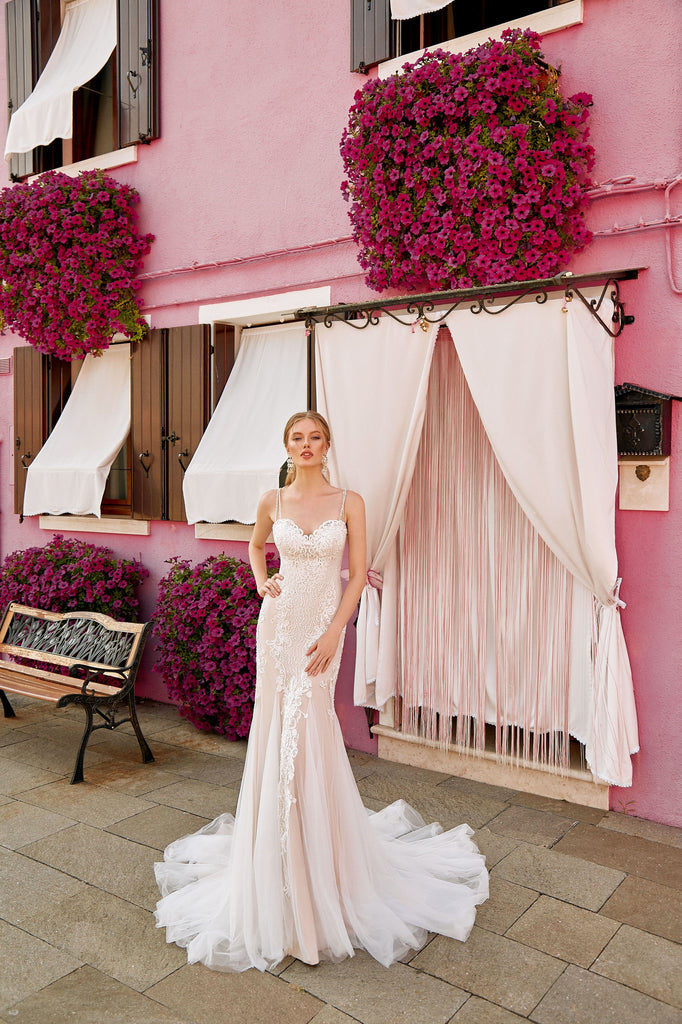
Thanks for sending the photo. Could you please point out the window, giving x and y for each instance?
(117, 107)
(376, 37)
(177, 377)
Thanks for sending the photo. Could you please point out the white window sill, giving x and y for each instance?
(91, 524)
(103, 162)
(542, 22)
(223, 531)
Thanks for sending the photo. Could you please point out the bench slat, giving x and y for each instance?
(14, 675)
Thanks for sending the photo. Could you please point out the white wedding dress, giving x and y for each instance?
(304, 869)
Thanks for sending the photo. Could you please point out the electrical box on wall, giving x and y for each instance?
(643, 419)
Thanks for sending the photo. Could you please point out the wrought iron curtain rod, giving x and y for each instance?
(414, 309)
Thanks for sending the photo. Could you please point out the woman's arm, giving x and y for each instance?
(261, 532)
(324, 649)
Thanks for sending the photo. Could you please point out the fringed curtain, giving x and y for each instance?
(487, 609)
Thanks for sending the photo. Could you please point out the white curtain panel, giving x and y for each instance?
(401, 9)
(70, 471)
(542, 379)
(85, 43)
(241, 451)
(372, 385)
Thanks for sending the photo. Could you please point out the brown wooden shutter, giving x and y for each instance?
(188, 405)
(223, 359)
(21, 70)
(30, 430)
(137, 59)
(148, 385)
(370, 33)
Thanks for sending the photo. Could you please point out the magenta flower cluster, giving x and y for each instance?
(70, 575)
(467, 169)
(69, 256)
(205, 628)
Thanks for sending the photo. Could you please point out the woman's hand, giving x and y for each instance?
(322, 651)
(271, 586)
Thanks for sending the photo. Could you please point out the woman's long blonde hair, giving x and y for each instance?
(309, 414)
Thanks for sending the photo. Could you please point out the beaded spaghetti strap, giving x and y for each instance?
(343, 505)
(277, 505)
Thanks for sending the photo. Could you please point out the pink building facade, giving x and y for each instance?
(242, 190)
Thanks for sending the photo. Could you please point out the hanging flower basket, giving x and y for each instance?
(69, 255)
(205, 628)
(467, 169)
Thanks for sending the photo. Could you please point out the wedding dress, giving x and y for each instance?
(303, 868)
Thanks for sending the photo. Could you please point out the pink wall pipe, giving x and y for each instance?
(248, 164)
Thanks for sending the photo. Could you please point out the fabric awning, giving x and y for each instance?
(86, 41)
(241, 452)
(401, 9)
(70, 471)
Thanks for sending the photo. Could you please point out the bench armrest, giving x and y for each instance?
(92, 673)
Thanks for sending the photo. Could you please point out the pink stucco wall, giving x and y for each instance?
(246, 174)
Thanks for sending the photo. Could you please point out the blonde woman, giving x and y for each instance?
(303, 869)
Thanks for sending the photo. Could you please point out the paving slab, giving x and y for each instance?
(505, 972)
(631, 854)
(577, 812)
(556, 874)
(529, 825)
(434, 802)
(111, 934)
(131, 778)
(505, 905)
(58, 756)
(480, 1011)
(564, 931)
(202, 798)
(88, 997)
(21, 823)
(581, 997)
(493, 846)
(94, 805)
(28, 964)
(158, 826)
(330, 1015)
(201, 996)
(481, 789)
(28, 885)
(646, 962)
(186, 735)
(16, 778)
(634, 826)
(117, 865)
(647, 905)
(373, 994)
(194, 764)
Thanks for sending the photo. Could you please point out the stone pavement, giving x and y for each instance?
(584, 921)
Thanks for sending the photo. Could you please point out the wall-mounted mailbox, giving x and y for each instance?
(642, 420)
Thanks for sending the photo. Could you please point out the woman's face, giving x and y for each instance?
(306, 443)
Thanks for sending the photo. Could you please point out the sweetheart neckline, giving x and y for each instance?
(286, 519)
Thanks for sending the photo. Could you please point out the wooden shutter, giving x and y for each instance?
(21, 70)
(223, 359)
(148, 386)
(188, 405)
(30, 429)
(370, 33)
(137, 59)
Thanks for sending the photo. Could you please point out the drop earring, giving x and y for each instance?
(290, 464)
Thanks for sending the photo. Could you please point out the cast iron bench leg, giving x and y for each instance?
(147, 755)
(6, 706)
(78, 770)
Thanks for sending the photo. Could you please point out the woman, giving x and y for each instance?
(303, 868)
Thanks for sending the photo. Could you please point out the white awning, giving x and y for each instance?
(86, 41)
(401, 9)
(70, 471)
(241, 451)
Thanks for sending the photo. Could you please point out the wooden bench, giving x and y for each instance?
(102, 657)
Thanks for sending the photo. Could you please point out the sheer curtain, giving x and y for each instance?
(70, 471)
(86, 41)
(542, 380)
(241, 451)
(401, 9)
(371, 384)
